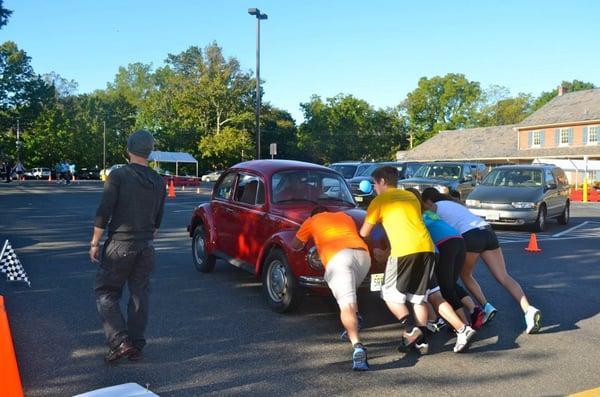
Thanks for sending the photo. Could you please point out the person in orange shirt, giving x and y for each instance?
(346, 259)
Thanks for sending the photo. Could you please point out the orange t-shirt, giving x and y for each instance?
(332, 232)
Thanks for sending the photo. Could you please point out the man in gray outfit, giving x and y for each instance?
(132, 208)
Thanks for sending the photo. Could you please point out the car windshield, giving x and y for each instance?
(368, 170)
(308, 185)
(347, 170)
(439, 171)
(514, 178)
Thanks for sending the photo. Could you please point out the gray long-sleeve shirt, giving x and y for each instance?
(132, 203)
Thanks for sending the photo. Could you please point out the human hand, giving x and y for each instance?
(94, 254)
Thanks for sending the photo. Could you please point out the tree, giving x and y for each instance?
(441, 103)
(4, 14)
(134, 82)
(226, 148)
(63, 88)
(498, 108)
(344, 128)
(570, 86)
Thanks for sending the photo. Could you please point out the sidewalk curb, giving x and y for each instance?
(10, 381)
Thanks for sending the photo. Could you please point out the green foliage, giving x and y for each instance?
(570, 86)
(345, 128)
(498, 108)
(442, 103)
(227, 147)
(4, 14)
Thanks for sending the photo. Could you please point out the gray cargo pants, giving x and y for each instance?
(131, 262)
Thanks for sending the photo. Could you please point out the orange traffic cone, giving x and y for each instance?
(50, 178)
(183, 188)
(171, 189)
(533, 245)
(197, 190)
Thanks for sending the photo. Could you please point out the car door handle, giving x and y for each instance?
(229, 210)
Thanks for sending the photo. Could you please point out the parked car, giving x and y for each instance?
(455, 178)
(182, 180)
(253, 216)
(522, 195)
(405, 170)
(350, 169)
(106, 172)
(212, 176)
(40, 172)
(89, 173)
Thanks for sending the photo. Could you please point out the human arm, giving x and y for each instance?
(95, 244)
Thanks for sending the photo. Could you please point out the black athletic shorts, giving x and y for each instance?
(481, 239)
(407, 278)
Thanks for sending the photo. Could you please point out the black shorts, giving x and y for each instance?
(481, 239)
(408, 277)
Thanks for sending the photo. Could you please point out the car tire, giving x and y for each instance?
(279, 283)
(203, 262)
(540, 222)
(563, 219)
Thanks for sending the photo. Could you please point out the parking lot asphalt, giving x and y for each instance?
(212, 334)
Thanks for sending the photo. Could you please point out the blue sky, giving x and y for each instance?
(374, 50)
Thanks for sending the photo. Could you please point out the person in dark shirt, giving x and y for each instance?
(131, 208)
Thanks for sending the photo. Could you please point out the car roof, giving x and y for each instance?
(346, 163)
(525, 166)
(269, 167)
(451, 163)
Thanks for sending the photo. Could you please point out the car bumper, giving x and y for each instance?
(506, 217)
(319, 282)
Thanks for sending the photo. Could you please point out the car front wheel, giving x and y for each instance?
(540, 223)
(563, 219)
(279, 283)
(203, 262)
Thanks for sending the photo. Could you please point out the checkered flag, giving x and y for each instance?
(10, 264)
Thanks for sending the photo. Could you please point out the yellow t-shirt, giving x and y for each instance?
(332, 232)
(400, 213)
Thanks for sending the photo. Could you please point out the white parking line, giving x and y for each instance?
(570, 230)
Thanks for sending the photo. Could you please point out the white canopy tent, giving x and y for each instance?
(173, 157)
(575, 166)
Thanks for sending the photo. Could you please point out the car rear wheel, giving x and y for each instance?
(203, 262)
(563, 219)
(540, 223)
(279, 283)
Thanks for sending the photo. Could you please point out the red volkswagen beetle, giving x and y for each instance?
(252, 218)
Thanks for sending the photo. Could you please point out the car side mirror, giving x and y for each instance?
(468, 178)
(551, 186)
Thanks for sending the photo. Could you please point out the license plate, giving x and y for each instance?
(492, 216)
(376, 281)
(358, 199)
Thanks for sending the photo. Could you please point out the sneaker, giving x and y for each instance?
(359, 358)
(477, 318)
(344, 334)
(124, 349)
(463, 338)
(410, 338)
(489, 312)
(422, 346)
(436, 325)
(533, 319)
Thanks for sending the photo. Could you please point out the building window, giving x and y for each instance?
(537, 138)
(592, 137)
(564, 136)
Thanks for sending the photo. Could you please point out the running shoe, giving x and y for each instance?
(436, 325)
(463, 338)
(489, 312)
(359, 358)
(533, 319)
(344, 334)
(477, 318)
(422, 346)
(409, 339)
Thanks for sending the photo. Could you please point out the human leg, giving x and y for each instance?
(139, 291)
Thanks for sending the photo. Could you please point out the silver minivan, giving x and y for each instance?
(522, 195)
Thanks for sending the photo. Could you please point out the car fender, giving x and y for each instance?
(296, 258)
(204, 214)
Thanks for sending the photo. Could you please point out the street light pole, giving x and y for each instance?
(259, 16)
(104, 147)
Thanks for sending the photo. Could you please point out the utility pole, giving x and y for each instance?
(104, 147)
(256, 12)
(18, 141)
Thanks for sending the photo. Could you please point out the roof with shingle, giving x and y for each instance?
(568, 108)
(469, 144)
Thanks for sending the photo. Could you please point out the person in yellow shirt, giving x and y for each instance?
(346, 259)
(411, 263)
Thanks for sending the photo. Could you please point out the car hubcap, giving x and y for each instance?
(199, 250)
(277, 281)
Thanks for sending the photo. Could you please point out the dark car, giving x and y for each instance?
(522, 195)
(455, 178)
(405, 170)
(252, 219)
(350, 169)
(89, 173)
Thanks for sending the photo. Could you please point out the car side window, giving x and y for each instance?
(225, 188)
(467, 172)
(548, 177)
(250, 190)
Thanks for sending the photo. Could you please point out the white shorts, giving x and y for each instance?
(345, 272)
